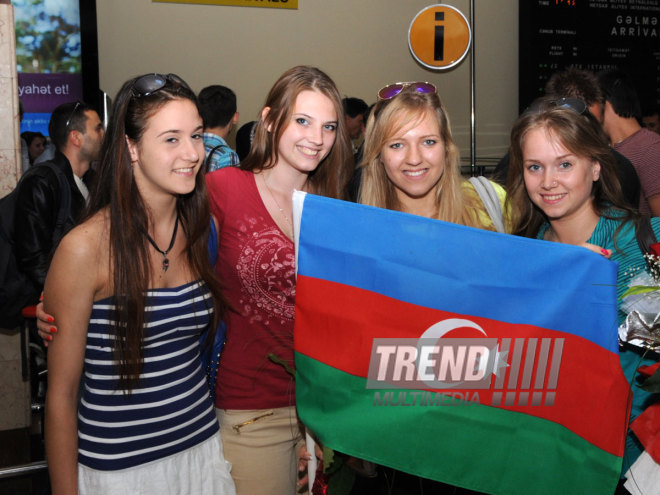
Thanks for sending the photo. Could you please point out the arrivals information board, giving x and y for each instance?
(591, 34)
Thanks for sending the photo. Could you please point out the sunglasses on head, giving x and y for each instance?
(391, 90)
(575, 104)
(73, 112)
(150, 83)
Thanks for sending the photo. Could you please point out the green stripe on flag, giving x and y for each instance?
(474, 446)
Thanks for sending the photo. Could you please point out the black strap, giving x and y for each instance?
(645, 235)
(213, 150)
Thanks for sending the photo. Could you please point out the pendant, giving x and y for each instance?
(166, 264)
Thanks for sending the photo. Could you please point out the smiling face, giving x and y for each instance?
(310, 133)
(170, 152)
(559, 182)
(414, 160)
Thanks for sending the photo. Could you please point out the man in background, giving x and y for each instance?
(217, 105)
(651, 119)
(354, 110)
(77, 133)
(621, 115)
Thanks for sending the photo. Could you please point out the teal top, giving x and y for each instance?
(631, 261)
(626, 253)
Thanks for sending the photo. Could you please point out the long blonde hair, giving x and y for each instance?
(456, 201)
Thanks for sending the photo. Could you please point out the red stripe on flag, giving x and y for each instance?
(336, 324)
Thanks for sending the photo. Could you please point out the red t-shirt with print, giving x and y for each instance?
(256, 266)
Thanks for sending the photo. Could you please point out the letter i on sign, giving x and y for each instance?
(439, 36)
(438, 46)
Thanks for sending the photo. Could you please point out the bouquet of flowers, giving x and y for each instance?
(641, 303)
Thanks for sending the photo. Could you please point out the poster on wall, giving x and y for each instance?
(596, 35)
(270, 4)
(48, 56)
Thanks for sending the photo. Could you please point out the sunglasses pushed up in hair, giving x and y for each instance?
(73, 112)
(150, 83)
(575, 104)
(391, 90)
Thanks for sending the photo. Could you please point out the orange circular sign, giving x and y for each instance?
(439, 36)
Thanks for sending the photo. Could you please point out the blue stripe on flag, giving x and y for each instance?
(460, 269)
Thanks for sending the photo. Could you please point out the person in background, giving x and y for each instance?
(217, 104)
(651, 119)
(354, 109)
(77, 133)
(621, 115)
(563, 187)
(132, 289)
(36, 143)
(244, 138)
(25, 158)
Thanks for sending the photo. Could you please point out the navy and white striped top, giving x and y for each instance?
(170, 409)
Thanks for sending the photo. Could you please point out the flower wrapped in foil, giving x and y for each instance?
(641, 303)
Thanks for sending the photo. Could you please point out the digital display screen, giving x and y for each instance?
(49, 58)
(596, 35)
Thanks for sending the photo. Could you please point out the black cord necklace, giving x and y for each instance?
(166, 261)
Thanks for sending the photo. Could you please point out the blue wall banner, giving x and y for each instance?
(270, 4)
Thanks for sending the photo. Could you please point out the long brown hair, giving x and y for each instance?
(582, 135)
(456, 201)
(332, 175)
(117, 191)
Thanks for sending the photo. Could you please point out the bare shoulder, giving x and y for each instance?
(89, 239)
(83, 254)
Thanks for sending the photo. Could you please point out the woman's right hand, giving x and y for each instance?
(45, 324)
(591, 247)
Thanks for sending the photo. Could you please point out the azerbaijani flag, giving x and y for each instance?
(479, 359)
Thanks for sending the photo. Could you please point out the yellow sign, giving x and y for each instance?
(271, 4)
(439, 36)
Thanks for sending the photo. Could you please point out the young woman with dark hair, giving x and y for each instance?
(36, 144)
(131, 289)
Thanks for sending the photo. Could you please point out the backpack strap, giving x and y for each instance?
(213, 150)
(213, 244)
(488, 195)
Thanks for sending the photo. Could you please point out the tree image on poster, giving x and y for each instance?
(596, 35)
(48, 58)
(47, 36)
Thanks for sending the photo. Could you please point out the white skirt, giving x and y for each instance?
(201, 469)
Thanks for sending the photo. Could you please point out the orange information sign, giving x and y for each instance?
(439, 36)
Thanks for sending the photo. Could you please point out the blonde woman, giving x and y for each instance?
(411, 162)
